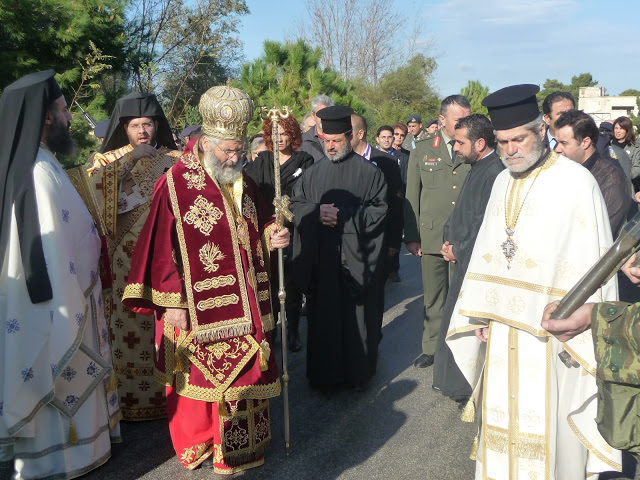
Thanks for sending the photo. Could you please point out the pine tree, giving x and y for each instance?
(475, 92)
(290, 74)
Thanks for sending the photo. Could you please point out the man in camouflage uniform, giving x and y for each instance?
(616, 341)
(434, 179)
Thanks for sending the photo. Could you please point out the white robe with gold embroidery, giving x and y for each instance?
(537, 415)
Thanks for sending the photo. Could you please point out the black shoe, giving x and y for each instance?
(394, 277)
(293, 342)
(437, 389)
(423, 361)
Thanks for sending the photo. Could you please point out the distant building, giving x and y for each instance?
(593, 101)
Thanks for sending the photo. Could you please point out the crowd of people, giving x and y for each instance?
(142, 284)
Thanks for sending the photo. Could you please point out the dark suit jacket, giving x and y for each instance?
(395, 188)
(312, 144)
(463, 224)
(402, 158)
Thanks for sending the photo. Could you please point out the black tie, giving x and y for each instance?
(453, 152)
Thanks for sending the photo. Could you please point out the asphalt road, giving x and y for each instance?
(398, 428)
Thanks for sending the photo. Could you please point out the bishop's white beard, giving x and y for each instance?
(223, 173)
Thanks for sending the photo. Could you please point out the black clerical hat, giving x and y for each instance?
(136, 105)
(512, 106)
(336, 119)
(23, 110)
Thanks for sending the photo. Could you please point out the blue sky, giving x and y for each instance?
(499, 42)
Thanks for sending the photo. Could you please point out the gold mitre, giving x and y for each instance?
(225, 111)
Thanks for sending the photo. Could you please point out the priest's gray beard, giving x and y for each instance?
(338, 154)
(530, 160)
(225, 173)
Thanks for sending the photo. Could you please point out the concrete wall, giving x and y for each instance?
(593, 101)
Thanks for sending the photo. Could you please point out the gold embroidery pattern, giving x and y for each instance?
(209, 254)
(260, 253)
(191, 162)
(263, 277)
(195, 180)
(249, 211)
(555, 292)
(190, 456)
(267, 322)
(492, 297)
(203, 215)
(162, 299)
(592, 448)
(517, 305)
(262, 428)
(216, 302)
(215, 282)
(516, 444)
(263, 295)
(529, 446)
(183, 387)
(237, 437)
(220, 389)
(232, 349)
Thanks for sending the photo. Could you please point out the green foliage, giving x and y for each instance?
(178, 49)
(290, 74)
(41, 34)
(554, 85)
(475, 92)
(401, 93)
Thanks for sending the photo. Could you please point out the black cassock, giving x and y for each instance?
(338, 267)
(461, 231)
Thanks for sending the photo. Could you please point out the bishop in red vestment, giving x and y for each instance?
(200, 266)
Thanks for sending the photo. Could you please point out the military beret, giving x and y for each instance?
(188, 131)
(415, 119)
(101, 128)
(431, 122)
(512, 106)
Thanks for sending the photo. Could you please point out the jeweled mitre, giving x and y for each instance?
(225, 111)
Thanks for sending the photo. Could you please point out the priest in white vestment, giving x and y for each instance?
(59, 406)
(546, 223)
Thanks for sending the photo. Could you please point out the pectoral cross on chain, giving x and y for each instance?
(282, 210)
(509, 249)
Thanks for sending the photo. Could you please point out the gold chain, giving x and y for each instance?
(508, 204)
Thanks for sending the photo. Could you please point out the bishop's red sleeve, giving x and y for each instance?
(155, 280)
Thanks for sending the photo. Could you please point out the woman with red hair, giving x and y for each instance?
(292, 163)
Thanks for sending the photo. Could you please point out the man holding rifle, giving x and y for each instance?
(616, 340)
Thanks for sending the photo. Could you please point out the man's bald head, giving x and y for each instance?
(359, 123)
(359, 126)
